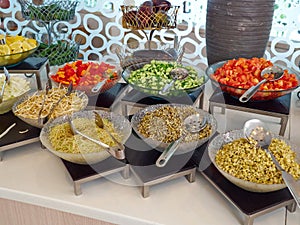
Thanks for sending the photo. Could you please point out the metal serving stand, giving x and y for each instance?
(81, 174)
(141, 157)
(22, 133)
(49, 13)
(279, 108)
(140, 161)
(137, 99)
(31, 66)
(148, 23)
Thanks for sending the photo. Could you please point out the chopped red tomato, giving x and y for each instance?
(244, 73)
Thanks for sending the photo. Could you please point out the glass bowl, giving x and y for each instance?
(221, 139)
(143, 52)
(13, 59)
(153, 82)
(97, 73)
(16, 89)
(261, 95)
(77, 101)
(121, 126)
(159, 124)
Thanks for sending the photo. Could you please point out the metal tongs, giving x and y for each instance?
(69, 91)
(115, 151)
(6, 81)
(47, 88)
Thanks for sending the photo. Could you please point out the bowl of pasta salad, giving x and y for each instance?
(58, 138)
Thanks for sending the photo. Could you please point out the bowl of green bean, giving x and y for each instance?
(251, 168)
(151, 77)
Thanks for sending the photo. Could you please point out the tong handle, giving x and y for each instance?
(6, 81)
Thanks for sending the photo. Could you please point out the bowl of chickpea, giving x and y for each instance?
(251, 168)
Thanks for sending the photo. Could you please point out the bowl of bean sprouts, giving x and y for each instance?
(29, 106)
(251, 168)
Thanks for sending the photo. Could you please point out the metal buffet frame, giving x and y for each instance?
(249, 218)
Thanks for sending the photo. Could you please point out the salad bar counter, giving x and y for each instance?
(141, 122)
(163, 127)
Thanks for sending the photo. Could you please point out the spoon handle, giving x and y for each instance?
(289, 180)
(99, 85)
(168, 152)
(292, 185)
(251, 91)
(167, 88)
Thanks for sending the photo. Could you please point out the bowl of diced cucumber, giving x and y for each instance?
(151, 77)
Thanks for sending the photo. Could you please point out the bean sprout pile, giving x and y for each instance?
(244, 161)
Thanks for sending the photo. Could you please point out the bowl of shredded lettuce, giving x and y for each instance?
(17, 88)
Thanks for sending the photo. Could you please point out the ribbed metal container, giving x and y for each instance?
(237, 28)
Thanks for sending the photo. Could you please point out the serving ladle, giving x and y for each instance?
(192, 124)
(258, 134)
(276, 73)
(178, 73)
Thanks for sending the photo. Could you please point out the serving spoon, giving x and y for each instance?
(256, 130)
(178, 73)
(192, 124)
(277, 73)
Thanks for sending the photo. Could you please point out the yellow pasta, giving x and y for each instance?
(62, 139)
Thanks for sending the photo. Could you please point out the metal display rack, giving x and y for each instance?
(49, 13)
(135, 18)
(279, 108)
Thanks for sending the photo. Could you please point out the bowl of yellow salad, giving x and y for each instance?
(15, 49)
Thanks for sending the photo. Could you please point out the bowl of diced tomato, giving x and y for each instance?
(85, 75)
(235, 76)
